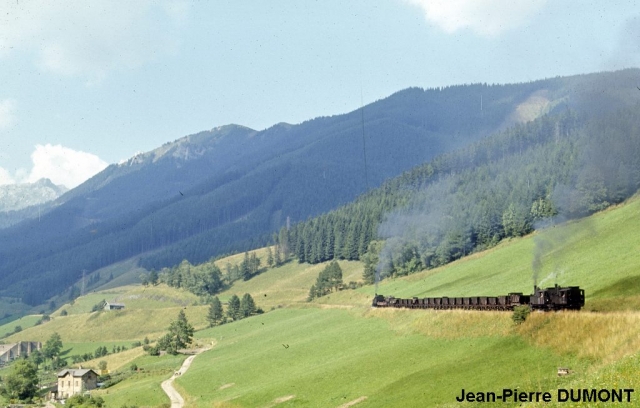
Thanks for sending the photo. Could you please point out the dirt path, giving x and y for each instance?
(176, 399)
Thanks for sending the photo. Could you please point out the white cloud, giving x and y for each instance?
(485, 17)
(63, 165)
(5, 177)
(91, 38)
(7, 113)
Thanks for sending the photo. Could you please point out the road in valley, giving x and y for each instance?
(176, 399)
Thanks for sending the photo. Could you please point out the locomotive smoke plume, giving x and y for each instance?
(549, 241)
(416, 227)
(627, 53)
(606, 167)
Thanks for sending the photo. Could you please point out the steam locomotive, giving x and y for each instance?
(555, 298)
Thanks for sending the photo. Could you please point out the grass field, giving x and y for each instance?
(329, 357)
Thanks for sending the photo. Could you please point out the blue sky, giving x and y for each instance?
(86, 83)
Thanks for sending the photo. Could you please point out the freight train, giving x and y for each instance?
(555, 298)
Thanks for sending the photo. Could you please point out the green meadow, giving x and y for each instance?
(329, 357)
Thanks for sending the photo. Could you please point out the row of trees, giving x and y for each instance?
(207, 279)
(236, 309)
(101, 351)
(329, 280)
(203, 280)
(245, 270)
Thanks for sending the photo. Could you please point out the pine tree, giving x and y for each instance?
(313, 293)
(270, 260)
(153, 277)
(277, 259)
(233, 308)
(245, 267)
(215, 315)
(283, 242)
(52, 347)
(371, 259)
(180, 334)
(254, 263)
(247, 306)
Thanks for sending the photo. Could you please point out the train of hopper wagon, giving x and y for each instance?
(554, 298)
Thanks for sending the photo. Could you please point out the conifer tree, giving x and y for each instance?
(245, 267)
(179, 336)
(215, 315)
(277, 259)
(247, 306)
(233, 308)
(270, 260)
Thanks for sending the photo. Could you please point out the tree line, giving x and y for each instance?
(237, 309)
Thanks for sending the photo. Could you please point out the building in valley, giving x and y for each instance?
(72, 382)
(113, 306)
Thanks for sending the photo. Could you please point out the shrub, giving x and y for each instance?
(520, 314)
(98, 307)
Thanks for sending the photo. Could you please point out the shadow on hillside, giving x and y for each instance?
(624, 287)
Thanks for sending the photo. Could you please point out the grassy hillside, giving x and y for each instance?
(143, 389)
(337, 350)
(24, 322)
(325, 356)
(148, 312)
(134, 297)
(288, 284)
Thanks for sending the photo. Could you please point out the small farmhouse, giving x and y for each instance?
(9, 352)
(113, 306)
(72, 382)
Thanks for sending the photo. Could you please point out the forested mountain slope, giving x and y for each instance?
(224, 190)
(528, 177)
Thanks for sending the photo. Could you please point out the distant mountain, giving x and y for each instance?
(15, 200)
(18, 196)
(229, 188)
